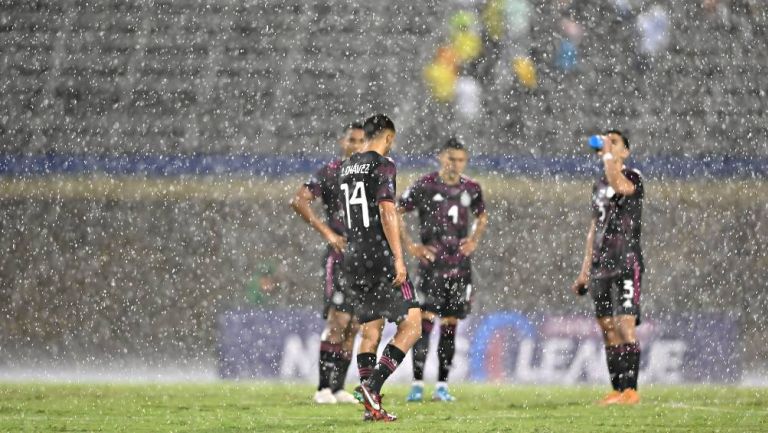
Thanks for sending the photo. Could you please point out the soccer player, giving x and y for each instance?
(338, 338)
(613, 265)
(445, 201)
(374, 267)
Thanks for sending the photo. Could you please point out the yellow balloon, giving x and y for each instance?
(525, 71)
(441, 78)
(467, 46)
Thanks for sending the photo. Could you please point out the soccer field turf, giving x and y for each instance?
(227, 407)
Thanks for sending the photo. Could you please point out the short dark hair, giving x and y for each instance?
(620, 134)
(377, 123)
(453, 143)
(352, 125)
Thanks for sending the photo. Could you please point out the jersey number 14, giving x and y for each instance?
(358, 199)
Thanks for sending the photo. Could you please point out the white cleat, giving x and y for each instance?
(325, 396)
(345, 397)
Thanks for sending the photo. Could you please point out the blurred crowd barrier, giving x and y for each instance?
(500, 346)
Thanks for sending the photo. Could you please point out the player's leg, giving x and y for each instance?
(370, 333)
(456, 304)
(331, 337)
(604, 309)
(347, 347)
(630, 351)
(615, 358)
(330, 353)
(419, 353)
(408, 332)
(627, 319)
(342, 354)
(398, 305)
(445, 350)
(348, 326)
(421, 348)
(370, 336)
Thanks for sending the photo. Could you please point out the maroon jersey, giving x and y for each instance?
(617, 226)
(365, 180)
(325, 184)
(444, 215)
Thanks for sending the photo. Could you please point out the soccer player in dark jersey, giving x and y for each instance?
(445, 201)
(374, 267)
(613, 265)
(338, 338)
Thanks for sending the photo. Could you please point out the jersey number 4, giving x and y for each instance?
(453, 212)
(358, 199)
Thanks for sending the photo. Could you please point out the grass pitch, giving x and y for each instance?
(259, 407)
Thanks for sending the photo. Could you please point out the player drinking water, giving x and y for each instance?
(613, 265)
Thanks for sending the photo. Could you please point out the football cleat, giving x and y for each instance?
(612, 397)
(441, 394)
(372, 403)
(416, 394)
(345, 397)
(325, 396)
(629, 397)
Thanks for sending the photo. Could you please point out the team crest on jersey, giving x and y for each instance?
(466, 200)
(438, 197)
(606, 192)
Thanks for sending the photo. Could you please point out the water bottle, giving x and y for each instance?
(595, 142)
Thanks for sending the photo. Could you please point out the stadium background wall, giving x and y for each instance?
(100, 270)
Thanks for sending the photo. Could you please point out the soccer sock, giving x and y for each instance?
(420, 349)
(613, 355)
(390, 359)
(328, 356)
(343, 360)
(365, 364)
(632, 351)
(445, 350)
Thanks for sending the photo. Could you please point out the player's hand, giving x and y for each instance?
(467, 246)
(401, 273)
(579, 286)
(422, 252)
(607, 148)
(336, 241)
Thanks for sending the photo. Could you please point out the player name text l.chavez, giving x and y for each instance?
(355, 169)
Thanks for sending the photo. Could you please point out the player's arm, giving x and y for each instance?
(586, 264)
(616, 178)
(390, 222)
(302, 204)
(469, 244)
(418, 250)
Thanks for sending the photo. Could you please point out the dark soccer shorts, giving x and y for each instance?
(374, 297)
(445, 295)
(334, 295)
(618, 295)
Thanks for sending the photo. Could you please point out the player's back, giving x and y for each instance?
(365, 180)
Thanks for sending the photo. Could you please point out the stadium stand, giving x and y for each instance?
(127, 76)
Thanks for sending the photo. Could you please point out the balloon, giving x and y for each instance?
(525, 71)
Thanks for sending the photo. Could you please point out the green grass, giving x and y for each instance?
(227, 407)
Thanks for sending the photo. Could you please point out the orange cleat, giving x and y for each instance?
(612, 397)
(629, 397)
